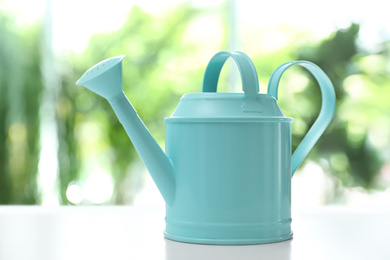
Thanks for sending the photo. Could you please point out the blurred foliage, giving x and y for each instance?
(20, 93)
(352, 160)
(158, 69)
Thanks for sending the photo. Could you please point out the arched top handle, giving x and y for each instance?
(249, 79)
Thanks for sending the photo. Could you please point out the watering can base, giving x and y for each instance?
(244, 233)
(226, 241)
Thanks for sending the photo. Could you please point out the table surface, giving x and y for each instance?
(125, 232)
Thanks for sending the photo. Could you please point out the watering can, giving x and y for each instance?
(226, 171)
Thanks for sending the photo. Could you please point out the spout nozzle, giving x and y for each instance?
(105, 78)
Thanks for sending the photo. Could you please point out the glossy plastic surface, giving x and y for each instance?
(226, 175)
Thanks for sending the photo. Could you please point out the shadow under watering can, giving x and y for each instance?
(226, 172)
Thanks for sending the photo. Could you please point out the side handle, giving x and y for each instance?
(327, 108)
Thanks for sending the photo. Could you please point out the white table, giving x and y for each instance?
(114, 233)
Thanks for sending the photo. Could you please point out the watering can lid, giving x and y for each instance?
(232, 106)
(211, 105)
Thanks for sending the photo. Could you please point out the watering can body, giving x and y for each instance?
(227, 167)
(233, 177)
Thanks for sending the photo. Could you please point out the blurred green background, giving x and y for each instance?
(61, 144)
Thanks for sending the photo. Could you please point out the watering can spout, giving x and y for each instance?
(105, 79)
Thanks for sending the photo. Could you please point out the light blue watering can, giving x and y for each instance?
(226, 172)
